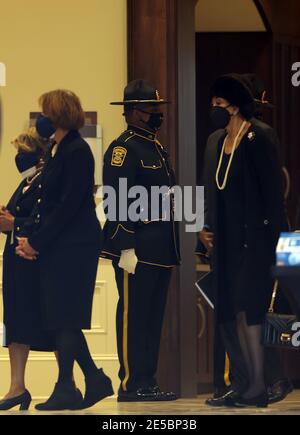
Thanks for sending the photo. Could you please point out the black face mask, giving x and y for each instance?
(45, 127)
(155, 120)
(220, 117)
(26, 163)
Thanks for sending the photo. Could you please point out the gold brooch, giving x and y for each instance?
(251, 135)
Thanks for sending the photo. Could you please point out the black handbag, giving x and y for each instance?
(277, 329)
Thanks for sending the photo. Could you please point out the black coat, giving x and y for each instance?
(67, 235)
(210, 164)
(264, 215)
(139, 158)
(21, 280)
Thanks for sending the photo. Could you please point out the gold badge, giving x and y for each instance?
(118, 157)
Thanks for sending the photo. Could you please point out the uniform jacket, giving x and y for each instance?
(141, 160)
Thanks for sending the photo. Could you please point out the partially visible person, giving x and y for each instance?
(21, 284)
(67, 240)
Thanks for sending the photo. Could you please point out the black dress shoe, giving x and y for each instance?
(64, 397)
(280, 390)
(98, 387)
(150, 394)
(220, 392)
(23, 401)
(261, 401)
(221, 400)
(168, 396)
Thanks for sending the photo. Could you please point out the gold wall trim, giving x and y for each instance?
(51, 357)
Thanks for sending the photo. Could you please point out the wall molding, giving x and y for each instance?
(103, 261)
(44, 398)
(101, 338)
(51, 358)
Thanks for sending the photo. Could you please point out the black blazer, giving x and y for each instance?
(266, 158)
(65, 211)
(20, 206)
(22, 315)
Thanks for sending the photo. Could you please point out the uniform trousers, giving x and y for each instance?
(140, 314)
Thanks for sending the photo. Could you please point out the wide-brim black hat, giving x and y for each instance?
(232, 88)
(258, 89)
(140, 92)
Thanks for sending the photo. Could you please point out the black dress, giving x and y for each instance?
(231, 237)
(67, 235)
(245, 248)
(21, 284)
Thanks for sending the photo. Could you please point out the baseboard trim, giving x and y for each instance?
(50, 358)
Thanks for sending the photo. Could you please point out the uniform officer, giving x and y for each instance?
(145, 250)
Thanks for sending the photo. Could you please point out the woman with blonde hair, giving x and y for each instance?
(67, 240)
(21, 288)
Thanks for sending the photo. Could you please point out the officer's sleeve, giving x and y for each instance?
(120, 162)
(75, 185)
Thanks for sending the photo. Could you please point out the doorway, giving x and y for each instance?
(224, 45)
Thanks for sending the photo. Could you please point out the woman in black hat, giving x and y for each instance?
(247, 209)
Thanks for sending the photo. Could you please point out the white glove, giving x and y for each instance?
(128, 261)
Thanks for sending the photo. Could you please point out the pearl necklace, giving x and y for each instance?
(223, 185)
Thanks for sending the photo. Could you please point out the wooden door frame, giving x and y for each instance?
(161, 48)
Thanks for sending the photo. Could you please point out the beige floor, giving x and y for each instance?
(291, 406)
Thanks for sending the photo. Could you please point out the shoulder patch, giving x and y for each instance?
(118, 156)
